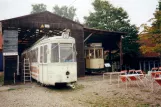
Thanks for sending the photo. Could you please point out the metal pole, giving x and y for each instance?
(14, 78)
(140, 65)
(149, 65)
(154, 64)
(144, 66)
(17, 64)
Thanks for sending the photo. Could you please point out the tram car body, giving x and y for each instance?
(94, 57)
(53, 60)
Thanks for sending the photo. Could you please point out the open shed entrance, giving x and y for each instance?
(111, 43)
(26, 38)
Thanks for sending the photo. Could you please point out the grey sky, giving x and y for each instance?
(139, 11)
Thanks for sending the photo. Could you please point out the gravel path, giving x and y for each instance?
(90, 91)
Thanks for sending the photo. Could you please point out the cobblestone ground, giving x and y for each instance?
(90, 91)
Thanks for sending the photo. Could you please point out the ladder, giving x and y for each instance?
(26, 71)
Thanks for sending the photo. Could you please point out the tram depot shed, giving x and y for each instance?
(21, 32)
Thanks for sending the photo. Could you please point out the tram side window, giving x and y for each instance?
(75, 53)
(34, 55)
(30, 56)
(45, 54)
(91, 54)
(87, 54)
(41, 54)
(98, 53)
(54, 52)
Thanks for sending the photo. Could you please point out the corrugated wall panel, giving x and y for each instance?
(10, 41)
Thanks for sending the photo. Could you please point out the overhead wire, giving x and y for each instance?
(72, 3)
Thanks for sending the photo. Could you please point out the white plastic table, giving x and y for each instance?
(112, 73)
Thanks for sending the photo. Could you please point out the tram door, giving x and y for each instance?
(43, 66)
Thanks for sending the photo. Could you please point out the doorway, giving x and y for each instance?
(10, 67)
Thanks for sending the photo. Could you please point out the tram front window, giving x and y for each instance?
(67, 53)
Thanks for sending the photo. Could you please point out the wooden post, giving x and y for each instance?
(1, 48)
(121, 55)
(110, 69)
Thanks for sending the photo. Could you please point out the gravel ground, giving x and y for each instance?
(90, 91)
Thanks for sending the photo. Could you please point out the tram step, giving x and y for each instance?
(27, 76)
(27, 80)
(27, 73)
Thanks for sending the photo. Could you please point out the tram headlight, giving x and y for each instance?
(67, 73)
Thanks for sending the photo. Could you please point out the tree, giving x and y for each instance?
(152, 34)
(111, 18)
(36, 8)
(64, 11)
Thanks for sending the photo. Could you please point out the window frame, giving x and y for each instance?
(51, 58)
(64, 46)
(45, 55)
(100, 53)
(41, 54)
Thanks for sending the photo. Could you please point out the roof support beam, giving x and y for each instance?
(88, 37)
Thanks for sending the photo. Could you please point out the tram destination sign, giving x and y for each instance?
(10, 40)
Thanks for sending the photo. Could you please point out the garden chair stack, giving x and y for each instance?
(136, 76)
(156, 79)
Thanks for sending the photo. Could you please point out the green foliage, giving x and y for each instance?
(64, 11)
(152, 34)
(111, 18)
(129, 42)
(36, 8)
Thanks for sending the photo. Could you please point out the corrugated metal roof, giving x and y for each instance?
(150, 54)
(35, 14)
(102, 31)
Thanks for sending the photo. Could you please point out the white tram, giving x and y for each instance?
(94, 57)
(53, 60)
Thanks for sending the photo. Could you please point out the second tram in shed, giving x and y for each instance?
(94, 57)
